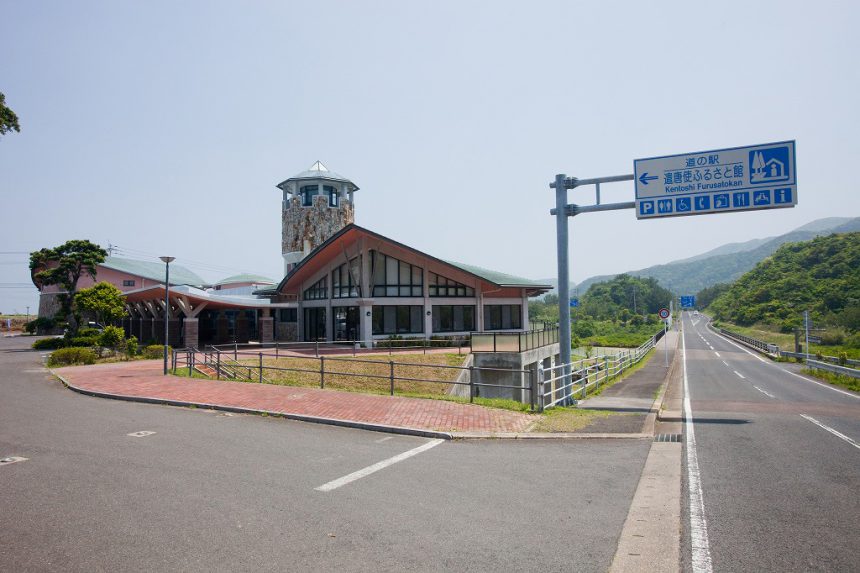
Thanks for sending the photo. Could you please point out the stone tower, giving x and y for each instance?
(317, 204)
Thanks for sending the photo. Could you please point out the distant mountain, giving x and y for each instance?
(728, 262)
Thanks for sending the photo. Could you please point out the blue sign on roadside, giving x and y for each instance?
(574, 302)
(718, 181)
(688, 301)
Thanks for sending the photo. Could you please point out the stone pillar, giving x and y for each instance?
(222, 329)
(267, 327)
(191, 333)
(242, 327)
(365, 323)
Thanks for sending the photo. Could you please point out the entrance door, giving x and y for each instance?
(314, 324)
(345, 322)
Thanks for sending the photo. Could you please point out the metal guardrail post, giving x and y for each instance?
(235, 351)
(540, 385)
(391, 375)
(276, 350)
(471, 384)
(317, 347)
(190, 360)
(218, 364)
(532, 385)
(261, 368)
(322, 372)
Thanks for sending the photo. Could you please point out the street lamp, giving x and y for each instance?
(167, 261)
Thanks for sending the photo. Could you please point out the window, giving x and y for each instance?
(332, 195)
(308, 192)
(440, 286)
(127, 282)
(391, 277)
(398, 319)
(344, 280)
(502, 317)
(287, 315)
(453, 318)
(317, 291)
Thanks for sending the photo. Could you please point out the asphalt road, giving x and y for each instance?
(780, 492)
(214, 492)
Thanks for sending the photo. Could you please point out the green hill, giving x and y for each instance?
(728, 262)
(821, 275)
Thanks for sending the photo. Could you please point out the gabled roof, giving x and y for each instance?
(318, 171)
(179, 275)
(493, 277)
(246, 278)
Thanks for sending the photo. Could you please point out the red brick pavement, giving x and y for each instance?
(144, 379)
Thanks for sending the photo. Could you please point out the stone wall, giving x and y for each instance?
(314, 224)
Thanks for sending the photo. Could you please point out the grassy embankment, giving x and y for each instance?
(786, 341)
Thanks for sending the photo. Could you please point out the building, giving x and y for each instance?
(342, 282)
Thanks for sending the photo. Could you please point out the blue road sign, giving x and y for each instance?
(574, 302)
(723, 180)
(688, 301)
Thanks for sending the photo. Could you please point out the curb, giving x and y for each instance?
(460, 436)
(657, 407)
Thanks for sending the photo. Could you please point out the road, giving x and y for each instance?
(778, 464)
(216, 492)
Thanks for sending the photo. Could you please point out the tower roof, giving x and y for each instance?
(319, 171)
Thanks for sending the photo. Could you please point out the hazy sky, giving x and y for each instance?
(163, 127)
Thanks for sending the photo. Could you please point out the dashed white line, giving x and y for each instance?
(380, 440)
(765, 392)
(726, 363)
(741, 376)
(334, 484)
(831, 430)
(717, 353)
(700, 547)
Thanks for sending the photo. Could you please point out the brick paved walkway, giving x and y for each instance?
(143, 379)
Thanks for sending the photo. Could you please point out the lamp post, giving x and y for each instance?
(167, 261)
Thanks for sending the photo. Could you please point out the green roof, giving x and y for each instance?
(246, 278)
(496, 277)
(179, 275)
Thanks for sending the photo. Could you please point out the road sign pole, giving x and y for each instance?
(665, 344)
(806, 328)
(561, 226)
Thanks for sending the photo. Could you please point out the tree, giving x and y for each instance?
(104, 300)
(64, 266)
(8, 119)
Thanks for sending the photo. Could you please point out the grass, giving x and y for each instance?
(568, 419)
(846, 382)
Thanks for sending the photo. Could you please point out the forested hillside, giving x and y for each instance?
(821, 275)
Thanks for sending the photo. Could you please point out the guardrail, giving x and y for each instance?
(513, 341)
(245, 364)
(586, 374)
(754, 343)
(354, 347)
(851, 372)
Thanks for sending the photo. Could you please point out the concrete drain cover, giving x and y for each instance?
(141, 434)
(667, 438)
(11, 460)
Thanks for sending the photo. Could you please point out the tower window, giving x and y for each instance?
(308, 192)
(332, 195)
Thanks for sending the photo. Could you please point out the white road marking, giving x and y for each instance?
(11, 460)
(741, 376)
(717, 353)
(822, 384)
(377, 466)
(380, 440)
(140, 434)
(701, 551)
(831, 430)
(726, 363)
(765, 392)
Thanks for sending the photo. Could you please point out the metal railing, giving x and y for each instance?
(818, 365)
(513, 341)
(354, 347)
(246, 364)
(754, 343)
(578, 377)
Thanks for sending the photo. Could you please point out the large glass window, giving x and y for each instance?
(441, 286)
(453, 318)
(287, 315)
(317, 291)
(503, 317)
(308, 192)
(332, 194)
(344, 280)
(392, 277)
(398, 319)
(314, 324)
(345, 322)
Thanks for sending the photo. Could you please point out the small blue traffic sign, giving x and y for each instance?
(682, 204)
(574, 303)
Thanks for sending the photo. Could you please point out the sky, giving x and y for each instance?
(163, 127)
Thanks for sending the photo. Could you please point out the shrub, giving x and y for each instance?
(155, 351)
(49, 344)
(131, 346)
(111, 337)
(67, 356)
(82, 341)
(87, 332)
(843, 358)
(833, 337)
